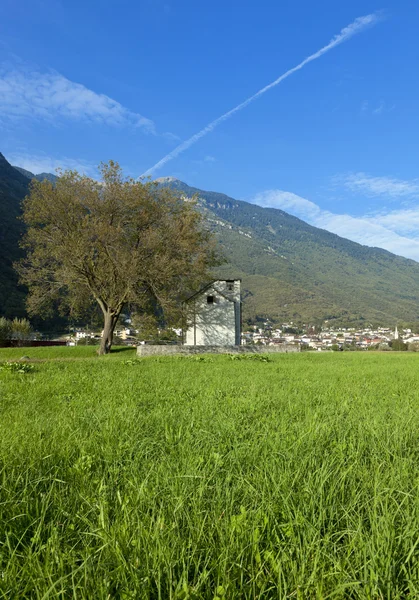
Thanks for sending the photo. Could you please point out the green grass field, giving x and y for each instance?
(176, 478)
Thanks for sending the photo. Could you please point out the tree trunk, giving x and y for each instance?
(111, 319)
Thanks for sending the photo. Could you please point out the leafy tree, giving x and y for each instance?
(114, 242)
(291, 330)
(398, 345)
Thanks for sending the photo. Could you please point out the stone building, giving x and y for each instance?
(214, 315)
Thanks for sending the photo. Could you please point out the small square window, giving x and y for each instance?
(230, 286)
(210, 299)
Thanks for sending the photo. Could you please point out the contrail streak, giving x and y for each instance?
(346, 33)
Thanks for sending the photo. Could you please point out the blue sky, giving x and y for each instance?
(335, 143)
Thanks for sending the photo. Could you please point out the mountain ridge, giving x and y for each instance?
(40, 176)
(291, 271)
(177, 184)
(300, 272)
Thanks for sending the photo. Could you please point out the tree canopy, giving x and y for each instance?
(113, 242)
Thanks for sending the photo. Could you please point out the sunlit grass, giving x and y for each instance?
(177, 478)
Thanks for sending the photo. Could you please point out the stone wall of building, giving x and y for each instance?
(214, 315)
(171, 350)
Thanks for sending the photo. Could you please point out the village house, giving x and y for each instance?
(214, 315)
(81, 334)
(126, 333)
(247, 337)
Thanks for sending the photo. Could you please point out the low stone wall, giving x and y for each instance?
(170, 350)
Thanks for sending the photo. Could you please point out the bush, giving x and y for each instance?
(18, 329)
(88, 341)
(16, 367)
(5, 329)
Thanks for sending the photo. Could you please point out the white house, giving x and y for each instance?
(214, 315)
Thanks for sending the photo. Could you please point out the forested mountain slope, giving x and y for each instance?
(294, 271)
(13, 188)
(290, 270)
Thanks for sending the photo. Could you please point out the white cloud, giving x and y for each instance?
(379, 109)
(208, 159)
(50, 96)
(378, 186)
(388, 231)
(45, 164)
(170, 137)
(287, 201)
(404, 221)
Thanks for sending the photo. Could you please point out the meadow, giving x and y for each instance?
(208, 477)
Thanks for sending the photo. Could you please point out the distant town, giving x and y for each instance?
(325, 338)
(309, 338)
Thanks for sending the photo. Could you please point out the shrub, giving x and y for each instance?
(18, 329)
(259, 357)
(16, 367)
(5, 329)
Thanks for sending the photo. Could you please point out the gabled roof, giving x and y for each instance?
(208, 286)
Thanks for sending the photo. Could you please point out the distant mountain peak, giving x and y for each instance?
(3, 159)
(40, 176)
(167, 180)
